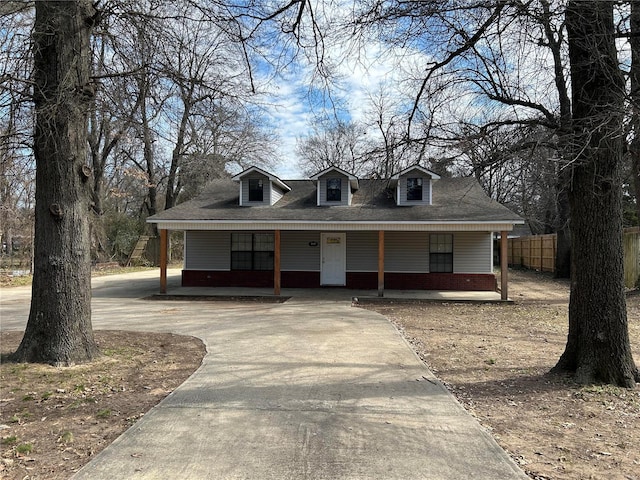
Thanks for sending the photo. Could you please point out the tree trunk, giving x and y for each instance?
(562, 225)
(634, 147)
(173, 182)
(59, 328)
(7, 200)
(598, 348)
(563, 231)
(152, 186)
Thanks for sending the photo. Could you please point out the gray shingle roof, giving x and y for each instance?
(454, 200)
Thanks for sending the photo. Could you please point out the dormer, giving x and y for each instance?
(259, 188)
(413, 185)
(334, 187)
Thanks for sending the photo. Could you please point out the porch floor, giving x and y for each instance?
(339, 294)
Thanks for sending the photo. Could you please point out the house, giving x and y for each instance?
(414, 230)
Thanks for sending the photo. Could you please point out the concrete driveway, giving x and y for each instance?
(306, 389)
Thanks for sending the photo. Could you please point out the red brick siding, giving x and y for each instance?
(300, 279)
(440, 281)
(232, 278)
(355, 280)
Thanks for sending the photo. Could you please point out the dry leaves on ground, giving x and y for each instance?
(495, 359)
(54, 420)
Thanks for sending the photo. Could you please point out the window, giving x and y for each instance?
(252, 251)
(334, 189)
(441, 253)
(414, 189)
(255, 190)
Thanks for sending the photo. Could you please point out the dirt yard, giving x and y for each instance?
(494, 358)
(54, 420)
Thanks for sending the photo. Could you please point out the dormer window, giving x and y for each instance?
(334, 189)
(256, 192)
(413, 186)
(259, 188)
(414, 189)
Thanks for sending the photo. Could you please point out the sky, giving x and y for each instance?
(292, 111)
(292, 105)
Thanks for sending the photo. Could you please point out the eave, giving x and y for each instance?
(441, 226)
(272, 178)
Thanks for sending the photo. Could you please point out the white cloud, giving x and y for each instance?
(360, 73)
(358, 79)
(290, 114)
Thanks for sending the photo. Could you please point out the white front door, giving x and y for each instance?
(334, 259)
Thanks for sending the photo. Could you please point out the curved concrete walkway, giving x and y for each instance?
(307, 389)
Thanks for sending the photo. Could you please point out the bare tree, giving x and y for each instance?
(472, 53)
(386, 152)
(598, 348)
(485, 64)
(634, 144)
(188, 69)
(17, 168)
(113, 117)
(225, 134)
(59, 327)
(63, 92)
(333, 144)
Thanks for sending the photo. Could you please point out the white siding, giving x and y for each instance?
(265, 186)
(472, 252)
(406, 252)
(297, 254)
(276, 193)
(362, 251)
(344, 185)
(207, 250)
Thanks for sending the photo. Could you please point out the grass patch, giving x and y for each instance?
(104, 413)
(66, 437)
(604, 390)
(24, 448)
(15, 281)
(7, 280)
(17, 368)
(118, 270)
(12, 440)
(125, 352)
(78, 402)
(19, 417)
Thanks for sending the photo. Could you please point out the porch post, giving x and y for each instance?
(380, 263)
(504, 266)
(163, 260)
(276, 263)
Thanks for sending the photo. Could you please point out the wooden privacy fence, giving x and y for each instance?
(147, 250)
(538, 252)
(631, 245)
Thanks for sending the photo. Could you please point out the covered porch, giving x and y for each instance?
(278, 291)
